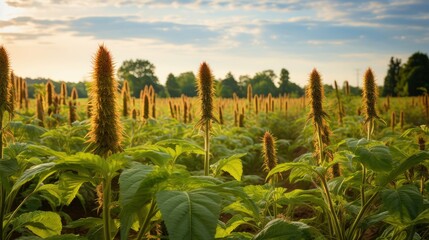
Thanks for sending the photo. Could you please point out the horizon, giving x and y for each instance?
(341, 39)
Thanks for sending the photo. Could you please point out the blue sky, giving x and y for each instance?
(58, 38)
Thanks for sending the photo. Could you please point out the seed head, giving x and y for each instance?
(5, 104)
(270, 152)
(315, 95)
(63, 93)
(369, 96)
(106, 131)
(205, 94)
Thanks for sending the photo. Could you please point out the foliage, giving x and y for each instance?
(413, 75)
(392, 78)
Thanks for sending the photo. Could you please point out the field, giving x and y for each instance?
(338, 166)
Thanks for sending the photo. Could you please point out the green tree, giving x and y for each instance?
(284, 81)
(172, 86)
(414, 75)
(228, 86)
(187, 83)
(392, 77)
(263, 83)
(139, 73)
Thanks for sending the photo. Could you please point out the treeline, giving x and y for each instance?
(38, 85)
(409, 79)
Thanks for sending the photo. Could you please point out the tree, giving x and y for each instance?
(414, 75)
(139, 73)
(228, 86)
(263, 83)
(187, 82)
(172, 86)
(392, 77)
(284, 81)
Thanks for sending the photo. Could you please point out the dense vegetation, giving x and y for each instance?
(327, 165)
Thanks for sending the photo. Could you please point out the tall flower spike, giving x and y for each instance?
(4, 82)
(369, 100)
(270, 152)
(205, 94)
(105, 134)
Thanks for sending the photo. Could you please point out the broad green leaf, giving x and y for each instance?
(8, 167)
(32, 172)
(224, 230)
(138, 185)
(411, 161)
(41, 150)
(69, 186)
(157, 157)
(423, 217)
(299, 196)
(406, 202)
(232, 165)
(376, 158)
(279, 229)
(43, 224)
(189, 215)
(283, 167)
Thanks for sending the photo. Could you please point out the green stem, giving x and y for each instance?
(206, 148)
(332, 209)
(14, 213)
(144, 227)
(362, 187)
(360, 214)
(320, 143)
(106, 207)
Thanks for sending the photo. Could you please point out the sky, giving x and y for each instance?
(57, 39)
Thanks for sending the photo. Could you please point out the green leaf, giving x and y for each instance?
(189, 215)
(283, 167)
(138, 185)
(405, 202)
(8, 167)
(32, 172)
(69, 185)
(411, 161)
(279, 229)
(43, 224)
(232, 165)
(376, 158)
(224, 230)
(157, 157)
(61, 237)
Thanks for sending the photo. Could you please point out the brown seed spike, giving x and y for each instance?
(4, 82)
(270, 152)
(369, 96)
(50, 96)
(106, 131)
(315, 94)
(205, 94)
(63, 93)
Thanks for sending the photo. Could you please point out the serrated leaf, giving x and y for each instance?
(411, 161)
(138, 185)
(376, 158)
(231, 165)
(43, 224)
(279, 229)
(69, 186)
(32, 172)
(406, 202)
(189, 215)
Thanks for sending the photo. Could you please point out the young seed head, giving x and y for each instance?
(39, 111)
(270, 152)
(49, 96)
(106, 131)
(74, 95)
(72, 113)
(369, 96)
(63, 93)
(4, 82)
(205, 94)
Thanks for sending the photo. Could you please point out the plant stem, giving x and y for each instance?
(360, 214)
(206, 148)
(106, 207)
(320, 143)
(146, 222)
(362, 187)
(332, 209)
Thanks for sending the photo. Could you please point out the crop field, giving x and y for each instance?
(328, 165)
